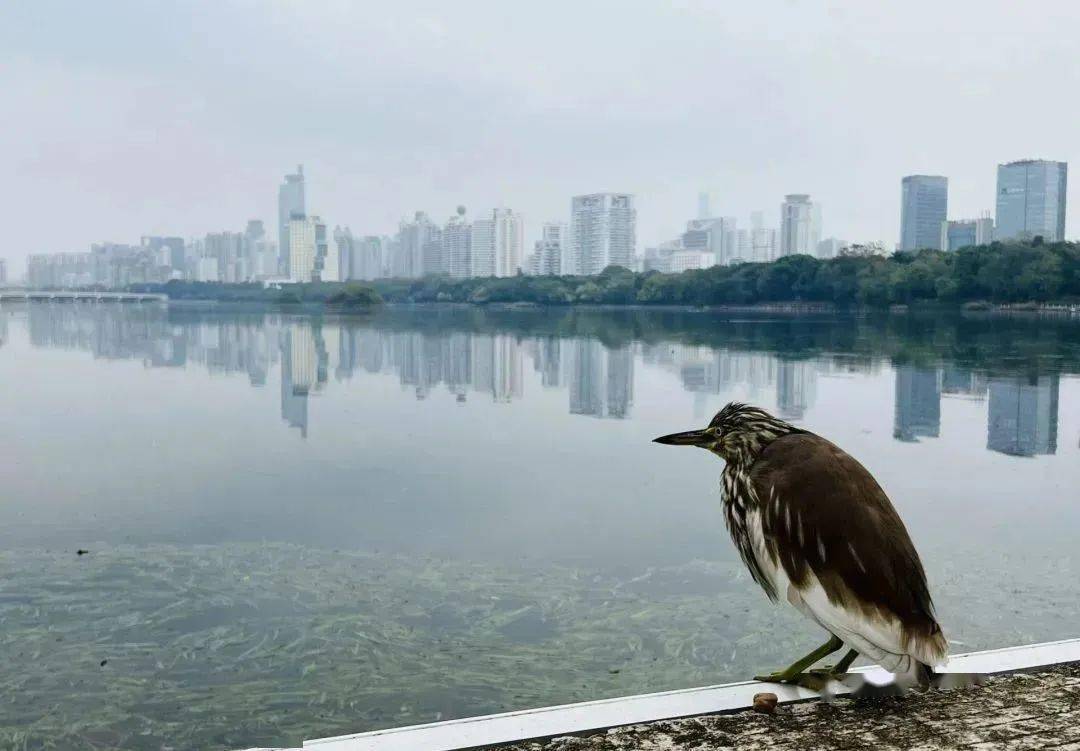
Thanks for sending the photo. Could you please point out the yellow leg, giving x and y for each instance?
(793, 672)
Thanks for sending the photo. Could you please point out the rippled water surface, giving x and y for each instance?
(300, 526)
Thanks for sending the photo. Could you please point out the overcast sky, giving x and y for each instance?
(136, 117)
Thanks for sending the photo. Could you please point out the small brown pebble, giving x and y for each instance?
(765, 703)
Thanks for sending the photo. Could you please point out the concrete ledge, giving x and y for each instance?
(548, 722)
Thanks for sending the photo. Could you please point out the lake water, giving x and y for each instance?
(301, 526)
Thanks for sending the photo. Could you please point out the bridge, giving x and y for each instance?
(29, 295)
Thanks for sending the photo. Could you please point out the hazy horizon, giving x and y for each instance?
(124, 119)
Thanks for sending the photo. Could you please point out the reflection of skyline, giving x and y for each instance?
(303, 370)
(1022, 411)
(796, 388)
(601, 379)
(956, 381)
(463, 362)
(1023, 415)
(917, 413)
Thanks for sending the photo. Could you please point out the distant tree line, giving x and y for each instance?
(348, 295)
(999, 273)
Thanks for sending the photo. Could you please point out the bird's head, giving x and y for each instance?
(737, 433)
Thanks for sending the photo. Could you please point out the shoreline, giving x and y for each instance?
(791, 309)
(785, 308)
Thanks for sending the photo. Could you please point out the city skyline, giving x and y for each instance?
(602, 231)
(133, 135)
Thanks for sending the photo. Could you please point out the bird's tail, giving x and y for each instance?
(927, 645)
(929, 648)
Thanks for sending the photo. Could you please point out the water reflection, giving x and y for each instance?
(1023, 415)
(458, 508)
(918, 403)
(598, 377)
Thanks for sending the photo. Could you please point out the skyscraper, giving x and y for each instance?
(716, 236)
(346, 251)
(260, 254)
(171, 250)
(3, 271)
(367, 259)
(412, 238)
(763, 245)
(603, 228)
(1031, 200)
(550, 249)
(310, 259)
(800, 225)
(434, 260)
(497, 239)
(457, 245)
(703, 206)
(290, 201)
(924, 202)
(228, 250)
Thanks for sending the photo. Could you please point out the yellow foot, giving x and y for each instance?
(828, 673)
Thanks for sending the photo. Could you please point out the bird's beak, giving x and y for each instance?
(689, 438)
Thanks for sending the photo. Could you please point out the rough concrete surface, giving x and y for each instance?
(1021, 711)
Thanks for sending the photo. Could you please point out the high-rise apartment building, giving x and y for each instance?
(763, 243)
(497, 239)
(412, 238)
(548, 253)
(368, 258)
(434, 260)
(260, 252)
(170, 250)
(716, 236)
(346, 249)
(603, 228)
(800, 225)
(310, 259)
(483, 246)
(924, 203)
(457, 245)
(3, 271)
(227, 248)
(1031, 200)
(291, 201)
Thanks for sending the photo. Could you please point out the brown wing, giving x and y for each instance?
(823, 512)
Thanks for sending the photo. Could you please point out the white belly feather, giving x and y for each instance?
(879, 639)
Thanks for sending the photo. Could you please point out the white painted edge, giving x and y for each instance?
(567, 719)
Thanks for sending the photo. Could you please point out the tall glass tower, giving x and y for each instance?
(924, 203)
(1031, 200)
(290, 203)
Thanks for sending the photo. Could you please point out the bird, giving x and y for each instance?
(816, 529)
